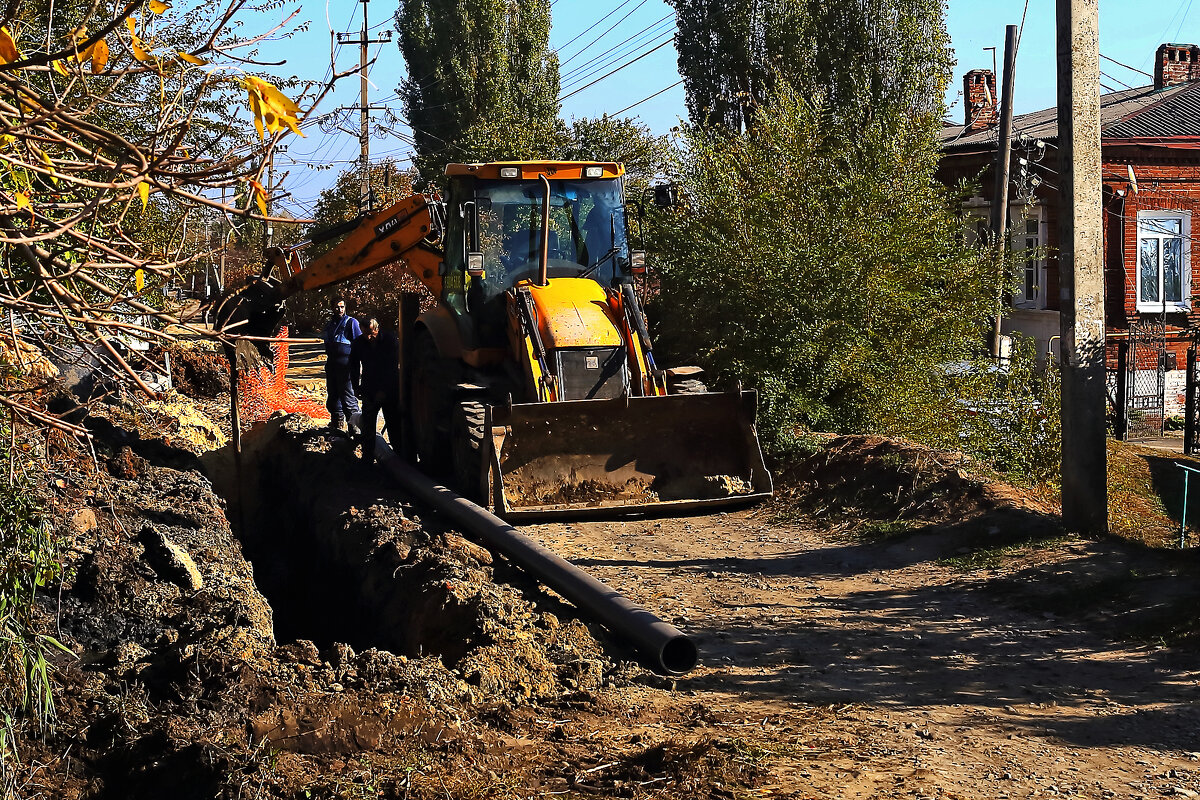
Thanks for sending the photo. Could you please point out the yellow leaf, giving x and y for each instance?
(8, 47)
(144, 192)
(99, 57)
(22, 198)
(269, 104)
(131, 24)
(48, 162)
(260, 196)
(59, 68)
(139, 279)
(139, 50)
(158, 6)
(191, 59)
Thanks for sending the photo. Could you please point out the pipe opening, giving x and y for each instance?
(679, 655)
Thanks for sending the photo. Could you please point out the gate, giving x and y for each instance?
(1142, 373)
(1191, 404)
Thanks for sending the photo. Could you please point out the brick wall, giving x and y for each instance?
(1162, 187)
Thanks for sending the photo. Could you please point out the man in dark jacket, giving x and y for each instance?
(375, 373)
(340, 333)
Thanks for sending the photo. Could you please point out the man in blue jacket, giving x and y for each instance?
(340, 333)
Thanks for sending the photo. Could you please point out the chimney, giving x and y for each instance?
(1175, 64)
(979, 91)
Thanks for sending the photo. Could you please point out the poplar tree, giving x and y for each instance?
(857, 57)
(482, 81)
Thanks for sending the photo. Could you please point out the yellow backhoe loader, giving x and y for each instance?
(531, 386)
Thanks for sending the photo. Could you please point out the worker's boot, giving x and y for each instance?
(335, 425)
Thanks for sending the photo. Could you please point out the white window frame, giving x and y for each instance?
(1022, 239)
(1185, 227)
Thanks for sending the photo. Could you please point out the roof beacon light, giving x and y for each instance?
(593, 172)
(510, 172)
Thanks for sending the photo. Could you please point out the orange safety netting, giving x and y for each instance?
(263, 391)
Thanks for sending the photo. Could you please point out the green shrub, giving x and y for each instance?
(29, 563)
(822, 267)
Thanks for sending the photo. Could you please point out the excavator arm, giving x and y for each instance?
(408, 231)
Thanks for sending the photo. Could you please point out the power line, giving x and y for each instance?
(618, 69)
(583, 32)
(651, 31)
(601, 36)
(579, 77)
(644, 99)
(1126, 66)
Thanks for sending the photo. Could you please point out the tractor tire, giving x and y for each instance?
(467, 438)
(430, 398)
(687, 386)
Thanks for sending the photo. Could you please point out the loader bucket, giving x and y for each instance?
(602, 457)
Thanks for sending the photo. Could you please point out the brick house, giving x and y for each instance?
(1151, 171)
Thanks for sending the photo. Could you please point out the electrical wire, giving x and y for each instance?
(615, 71)
(583, 32)
(581, 78)
(652, 31)
(644, 99)
(606, 32)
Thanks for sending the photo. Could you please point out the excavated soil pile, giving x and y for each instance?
(893, 479)
(198, 368)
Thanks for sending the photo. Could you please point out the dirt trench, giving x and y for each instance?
(343, 559)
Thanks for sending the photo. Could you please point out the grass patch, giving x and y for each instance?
(882, 530)
(1145, 495)
(994, 557)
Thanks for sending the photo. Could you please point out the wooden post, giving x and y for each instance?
(1084, 454)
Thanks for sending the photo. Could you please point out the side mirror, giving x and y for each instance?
(637, 262)
(666, 195)
(475, 265)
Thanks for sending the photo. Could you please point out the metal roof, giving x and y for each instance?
(1139, 113)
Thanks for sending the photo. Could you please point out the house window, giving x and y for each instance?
(1164, 280)
(1026, 238)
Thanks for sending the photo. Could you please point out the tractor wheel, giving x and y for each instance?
(430, 398)
(468, 445)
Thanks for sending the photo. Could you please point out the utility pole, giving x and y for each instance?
(1081, 269)
(999, 221)
(364, 135)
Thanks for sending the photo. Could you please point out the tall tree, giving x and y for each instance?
(482, 82)
(857, 56)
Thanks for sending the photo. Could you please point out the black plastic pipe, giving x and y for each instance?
(665, 647)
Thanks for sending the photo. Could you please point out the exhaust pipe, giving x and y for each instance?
(665, 647)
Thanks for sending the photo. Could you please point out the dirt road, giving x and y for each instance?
(876, 669)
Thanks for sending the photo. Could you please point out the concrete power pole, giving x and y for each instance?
(364, 133)
(1081, 269)
(999, 221)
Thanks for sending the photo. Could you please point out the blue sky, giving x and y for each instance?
(586, 33)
